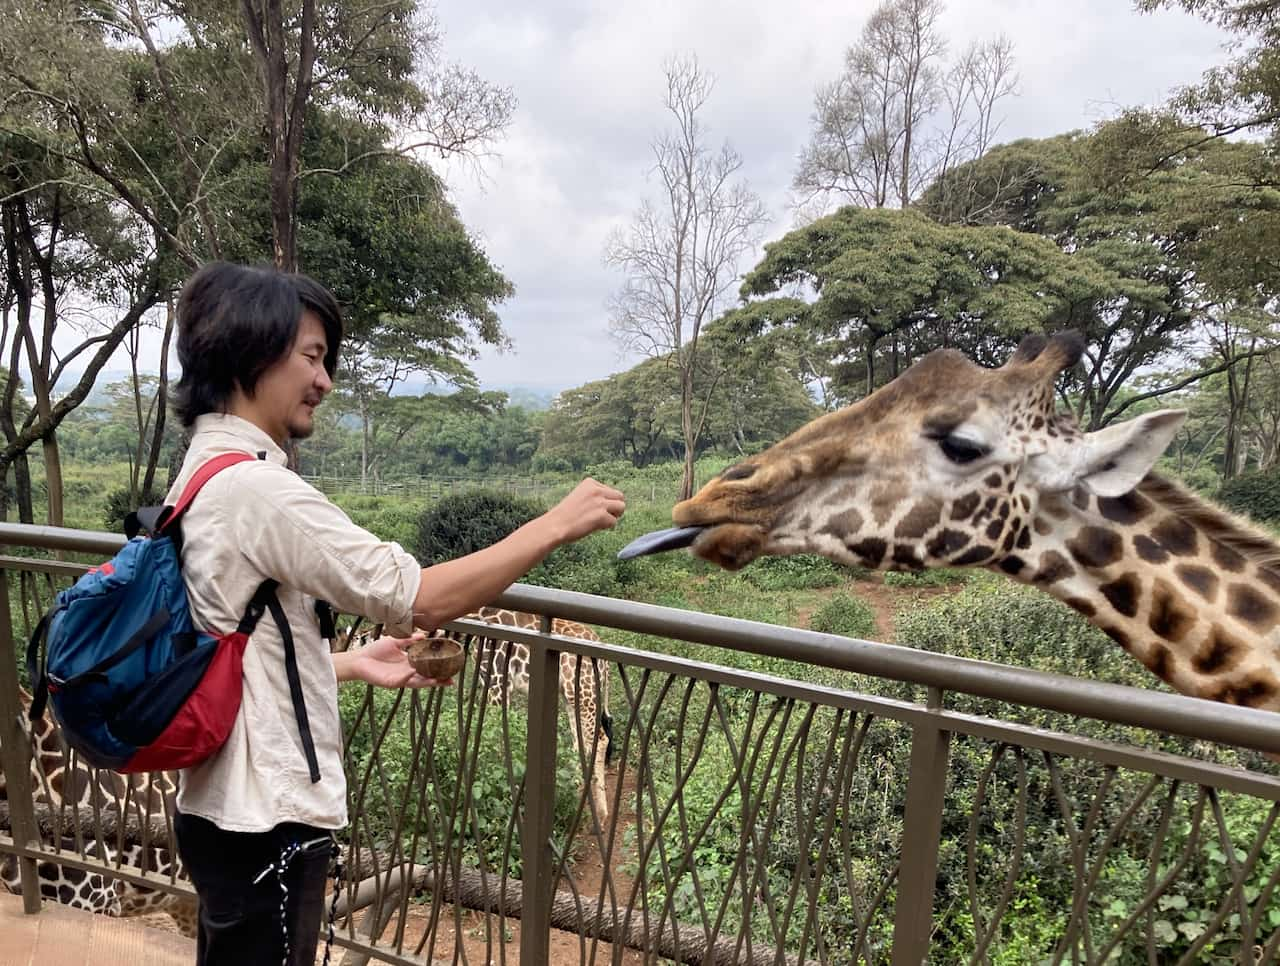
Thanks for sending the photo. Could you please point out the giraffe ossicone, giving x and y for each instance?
(954, 465)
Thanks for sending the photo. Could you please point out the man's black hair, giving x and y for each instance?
(234, 323)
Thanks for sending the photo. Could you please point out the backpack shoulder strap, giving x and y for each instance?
(203, 475)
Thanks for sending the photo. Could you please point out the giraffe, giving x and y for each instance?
(58, 779)
(505, 667)
(954, 465)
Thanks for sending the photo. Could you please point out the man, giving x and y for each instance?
(258, 350)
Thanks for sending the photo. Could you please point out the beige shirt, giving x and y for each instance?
(257, 520)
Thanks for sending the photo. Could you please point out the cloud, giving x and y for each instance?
(588, 76)
(589, 79)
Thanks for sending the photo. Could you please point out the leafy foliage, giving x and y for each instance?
(844, 614)
(1256, 495)
(462, 524)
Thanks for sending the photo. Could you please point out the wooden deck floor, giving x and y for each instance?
(59, 936)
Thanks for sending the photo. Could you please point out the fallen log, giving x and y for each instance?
(579, 914)
(485, 892)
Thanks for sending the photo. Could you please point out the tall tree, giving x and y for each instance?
(681, 256)
(889, 285)
(897, 116)
(1244, 93)
(150, 107)
(420, 293)
(1191, 231)
(339, 49)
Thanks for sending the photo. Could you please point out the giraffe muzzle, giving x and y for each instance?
(660, 541)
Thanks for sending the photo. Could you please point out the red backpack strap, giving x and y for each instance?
(202, 476)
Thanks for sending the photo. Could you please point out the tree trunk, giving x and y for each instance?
(364, 441)
(872, 338)
(686, 422)
(162, 401)
(53, 478)
(285, 111)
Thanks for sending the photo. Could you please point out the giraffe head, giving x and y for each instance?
(945, 466)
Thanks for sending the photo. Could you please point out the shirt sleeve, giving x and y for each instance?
(291, 532)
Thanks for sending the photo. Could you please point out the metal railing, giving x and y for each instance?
(803, 798)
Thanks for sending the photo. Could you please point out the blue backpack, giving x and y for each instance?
(132, 683)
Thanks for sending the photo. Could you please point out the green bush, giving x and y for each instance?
(799, 572)
(938, 577)
(464, 523)
(846, 615)
(389, 519)
(121, 502)
(1257, 495)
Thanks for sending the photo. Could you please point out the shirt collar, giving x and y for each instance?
(245, 434)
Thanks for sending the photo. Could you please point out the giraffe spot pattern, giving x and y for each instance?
(1082, 605)
(1251, 691)
(1248, 605)
(1226, 558)
(1126, 509)
(1149, 550)
(1095, 547)
(1118, 635)
(871, 550)
(1159, 660)
(1169, 617)
(947, 543)
(1221, 652)
(1123, 594)
(920, 519)
(844, 523)
(1053, 567)
(904, 555)
(1200, 579)
(963, 508)
(975, 555)
(884, 502)
(1177, 536)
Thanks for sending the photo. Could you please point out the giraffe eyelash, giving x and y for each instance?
(960, 450)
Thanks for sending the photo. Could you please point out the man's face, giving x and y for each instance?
(289, 392)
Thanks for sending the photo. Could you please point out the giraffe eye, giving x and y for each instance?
(960, 450)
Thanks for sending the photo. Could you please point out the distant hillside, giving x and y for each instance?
(526, 397)
(531, 399)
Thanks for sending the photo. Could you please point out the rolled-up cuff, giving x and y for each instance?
(397, 620)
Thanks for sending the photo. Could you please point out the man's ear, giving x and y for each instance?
(1118, 457)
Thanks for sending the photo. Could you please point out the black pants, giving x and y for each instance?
(246, 918)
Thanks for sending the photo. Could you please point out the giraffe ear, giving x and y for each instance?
(1118, 457)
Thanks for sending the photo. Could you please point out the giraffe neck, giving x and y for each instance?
(1188, 590)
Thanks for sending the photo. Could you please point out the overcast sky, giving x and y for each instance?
(589, 80)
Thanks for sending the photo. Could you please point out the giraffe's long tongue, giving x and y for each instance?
(659, 541)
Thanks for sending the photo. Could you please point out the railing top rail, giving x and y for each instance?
(1101, 700)
(1119, 704)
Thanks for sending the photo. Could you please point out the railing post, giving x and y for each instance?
(16, 758)
(921, 832)
(539, 802)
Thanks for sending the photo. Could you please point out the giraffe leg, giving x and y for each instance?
(578, 683)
